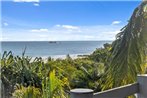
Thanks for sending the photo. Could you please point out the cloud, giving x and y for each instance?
(36, 4)
(5, 24)
(39, 30)
(67, 26)
(116, 22)
(68, 32)
(26, 0)
(64, 32)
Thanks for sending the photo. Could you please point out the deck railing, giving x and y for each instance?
(139, 89)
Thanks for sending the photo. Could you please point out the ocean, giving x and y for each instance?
(52, 49)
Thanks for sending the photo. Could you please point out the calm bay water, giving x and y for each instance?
(45, 49)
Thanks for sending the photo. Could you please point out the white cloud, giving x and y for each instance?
(39, 30)
(67, 26)
(26, 0)
(4, 38)
(116, 22)
(57, 25)
(36, 4)
(65, 32)
(5, 24)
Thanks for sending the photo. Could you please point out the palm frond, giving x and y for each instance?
(129, 51)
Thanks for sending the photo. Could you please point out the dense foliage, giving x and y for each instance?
(111, 66)
(52, 78)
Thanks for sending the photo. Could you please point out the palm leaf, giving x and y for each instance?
(129, 53)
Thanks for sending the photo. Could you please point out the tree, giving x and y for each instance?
(129, 50)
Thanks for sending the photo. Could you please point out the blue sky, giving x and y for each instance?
(35, 20)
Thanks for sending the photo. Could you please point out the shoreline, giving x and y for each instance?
(62, 57)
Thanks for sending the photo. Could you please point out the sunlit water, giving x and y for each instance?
(46, 49)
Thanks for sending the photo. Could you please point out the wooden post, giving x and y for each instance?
(142, 80)
(81, 93)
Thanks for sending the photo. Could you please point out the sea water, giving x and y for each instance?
(46, 48)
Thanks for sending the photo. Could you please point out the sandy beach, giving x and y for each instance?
(55, 57)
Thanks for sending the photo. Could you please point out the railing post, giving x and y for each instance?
(142, 80)
(81, 93)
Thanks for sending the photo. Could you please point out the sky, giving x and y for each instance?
(36, 20)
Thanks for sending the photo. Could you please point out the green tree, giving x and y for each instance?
(129, 51)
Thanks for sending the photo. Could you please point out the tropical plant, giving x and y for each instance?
(15, 69)
(26, 92)
(32, 74)
(129, 51)
(52, 87)
(101, 54)
(87, 74)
